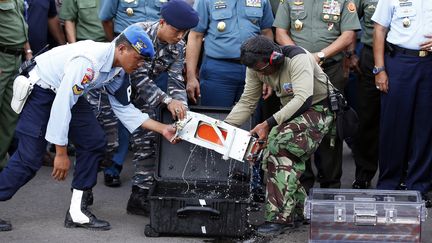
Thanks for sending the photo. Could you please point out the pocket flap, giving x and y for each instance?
(7, 5)
(21, 88)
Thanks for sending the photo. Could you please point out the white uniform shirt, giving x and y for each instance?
(393, 13)
(73, 70)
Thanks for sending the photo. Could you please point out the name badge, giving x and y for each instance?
(220, 5)
(253, 3)
(403, 12)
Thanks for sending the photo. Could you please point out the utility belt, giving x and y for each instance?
(392, 49)
(11, 51)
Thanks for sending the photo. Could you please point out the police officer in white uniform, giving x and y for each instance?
(56, 111)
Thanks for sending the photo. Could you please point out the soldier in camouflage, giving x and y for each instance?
(294, 132)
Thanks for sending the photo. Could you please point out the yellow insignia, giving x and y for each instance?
(77, 90)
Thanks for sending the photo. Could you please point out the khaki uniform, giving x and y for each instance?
(13, 35)
(315, 25)
(296, 136)
(85, 15)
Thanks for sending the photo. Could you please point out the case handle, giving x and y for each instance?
(185, 211)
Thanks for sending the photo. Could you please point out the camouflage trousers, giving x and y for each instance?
(144, 147)
(289, 146)
(98, 99)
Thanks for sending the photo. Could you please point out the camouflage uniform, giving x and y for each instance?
(289, 146)
(147, 96)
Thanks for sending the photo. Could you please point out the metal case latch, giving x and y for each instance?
(340, 209)
(365, 213)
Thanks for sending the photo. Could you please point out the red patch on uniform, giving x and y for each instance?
(88, 76)
(351, 7)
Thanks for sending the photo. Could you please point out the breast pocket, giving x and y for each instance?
(86, 4)
(369, 11)
(254, 15)
(220, 16)
(6, 6)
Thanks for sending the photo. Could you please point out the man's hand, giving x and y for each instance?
(262, 130)
(381, 81)
(177, 109)
(351, 64)
(169, 133)
(193, 89)
(267, 91)
(61, 166)
(427, 45)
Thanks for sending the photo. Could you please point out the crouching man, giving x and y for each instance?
(57, 110)
(294, 132)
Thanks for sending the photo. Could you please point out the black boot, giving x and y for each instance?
(112, 175)
(88, 196)
(138, 202)
(79, 216)
(5, 226)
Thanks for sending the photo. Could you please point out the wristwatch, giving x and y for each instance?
(321, 56)
(377, 70)
(167, 100)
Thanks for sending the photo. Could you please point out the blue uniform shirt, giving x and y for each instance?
(242, 20)
(393, 13)
(73, 70)
(142, 11)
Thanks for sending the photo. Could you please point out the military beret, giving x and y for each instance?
(139, 40)
(180, 14)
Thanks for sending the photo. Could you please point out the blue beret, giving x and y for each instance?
(180, 14)
(139, 40)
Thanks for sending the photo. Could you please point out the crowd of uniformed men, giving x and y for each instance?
(133, 56)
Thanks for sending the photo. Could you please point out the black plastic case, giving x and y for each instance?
(197, 192)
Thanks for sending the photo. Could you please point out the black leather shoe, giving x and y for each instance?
(270, 228)
(139, 203)
(94, 224)
(111, 180)
(358, 184)
(5, 226)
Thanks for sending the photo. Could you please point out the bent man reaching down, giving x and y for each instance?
(294, 132)
(56, 110)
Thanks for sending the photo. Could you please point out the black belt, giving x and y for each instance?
(397, 49)
(15, 52)
(233, 60)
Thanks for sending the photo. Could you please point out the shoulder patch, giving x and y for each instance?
(351, 7)
(292, 51)
(88, 76)
(77, 90)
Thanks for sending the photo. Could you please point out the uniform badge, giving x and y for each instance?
(335, 18)
(221, 26)
(77, 90)
(351, 7)
(220, 5)
(287, 87)
(129, 1)
(253, 3)
(406, 22)
(88, 76)
(129, 11)
(298, 25)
